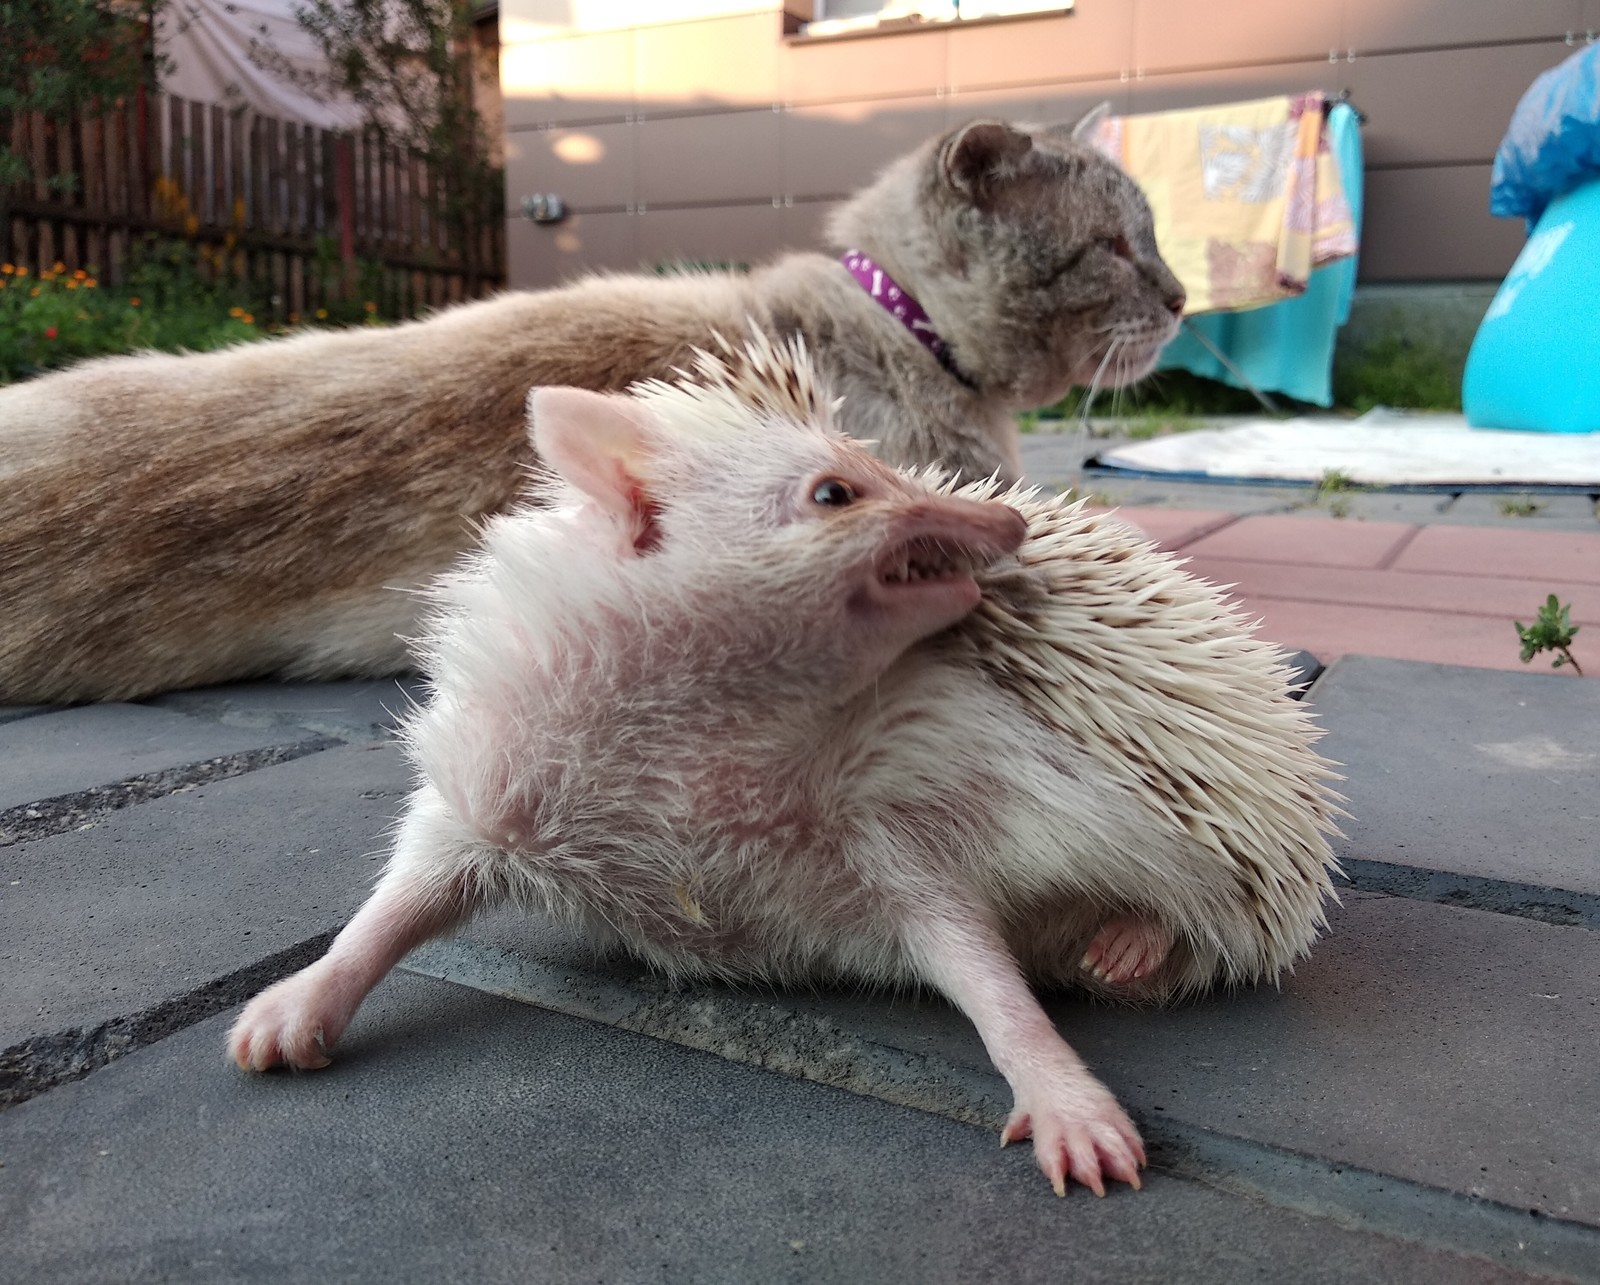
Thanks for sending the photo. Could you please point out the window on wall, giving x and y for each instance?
(837, 17)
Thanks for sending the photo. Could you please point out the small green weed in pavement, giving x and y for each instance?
(1333, 489)
(1551, 630)
(1519, 506)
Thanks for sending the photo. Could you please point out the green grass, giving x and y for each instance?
(1519, 506)
(1394, 371)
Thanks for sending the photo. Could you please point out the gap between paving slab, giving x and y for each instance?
(801, 1045)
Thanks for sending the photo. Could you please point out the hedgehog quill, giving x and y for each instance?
(734, 695)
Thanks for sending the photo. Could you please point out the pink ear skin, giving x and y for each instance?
(598, 442)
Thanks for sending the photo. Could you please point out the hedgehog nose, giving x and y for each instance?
(1175, 303)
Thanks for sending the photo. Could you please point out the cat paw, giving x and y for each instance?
(1079, 1133)
(292, 1023)
(1127, 949)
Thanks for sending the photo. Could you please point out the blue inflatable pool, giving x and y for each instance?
(1535, 363)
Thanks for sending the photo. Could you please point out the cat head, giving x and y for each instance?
(1032, 252)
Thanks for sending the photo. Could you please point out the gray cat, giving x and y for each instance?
(171, 521)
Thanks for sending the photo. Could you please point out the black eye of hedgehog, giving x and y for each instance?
(833, 493)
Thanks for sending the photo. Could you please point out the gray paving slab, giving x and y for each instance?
(1551, 512)
(1413, 507)
(74, 749)
(461, 1137)
(11, 713)
(1481, 772)
(1225, 498)
(1452, 1048)
(159, 898)
(351, 711)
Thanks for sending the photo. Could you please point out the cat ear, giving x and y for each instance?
(600, 443)
(972, 157)
(1090, 120)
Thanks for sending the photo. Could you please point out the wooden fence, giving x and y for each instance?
(306, 216)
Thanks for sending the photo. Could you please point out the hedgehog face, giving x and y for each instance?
(892, 561)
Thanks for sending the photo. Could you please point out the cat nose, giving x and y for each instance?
(1175, 303)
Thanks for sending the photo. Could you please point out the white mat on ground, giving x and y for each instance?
(1382, 448)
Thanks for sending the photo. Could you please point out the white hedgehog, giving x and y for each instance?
(748, 702)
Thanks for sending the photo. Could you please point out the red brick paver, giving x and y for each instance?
(1306, 542)
(1498, 597)
(1439, 593)
(1174, 528)
(1493, 551)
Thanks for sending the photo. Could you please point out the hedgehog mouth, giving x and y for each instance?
(927, 559)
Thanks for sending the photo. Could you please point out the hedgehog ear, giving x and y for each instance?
(600, 443)
(972, 157)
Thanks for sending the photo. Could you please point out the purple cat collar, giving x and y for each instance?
(882, 287)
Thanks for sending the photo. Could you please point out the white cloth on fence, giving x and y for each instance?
(207, 45)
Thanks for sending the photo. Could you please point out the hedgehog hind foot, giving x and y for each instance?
(1128, 948)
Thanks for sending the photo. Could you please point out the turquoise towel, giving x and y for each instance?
(1287, 347)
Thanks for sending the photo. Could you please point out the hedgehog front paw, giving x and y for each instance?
(292, 1023)
(1078, 1131)
(1127, 949)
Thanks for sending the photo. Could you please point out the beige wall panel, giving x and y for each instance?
(689, 66)
(724, 157)
(1208, 88)
(537, 257)
(592, 165)
(1434, 224)
(879, 67)
(722, 234)
(1371, 26)
(1452, 105)
(801, 226)
(577, 78)
(1204, 33)
(1044, 105)
(1096, 39)
(537, 19)
(829, 151)
(1068, 103)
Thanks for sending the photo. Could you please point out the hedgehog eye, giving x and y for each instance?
(833, 493)
(1118, 245)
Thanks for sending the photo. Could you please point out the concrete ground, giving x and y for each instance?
(1416, 1103)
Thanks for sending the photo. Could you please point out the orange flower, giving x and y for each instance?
(58, 266)
(133, 302)
(247, 319)
(322, 314)
(370, 306)
(22, 272)
(91, 283)
(34, 293)
(79, 275)
(8, 268)
(72, 285)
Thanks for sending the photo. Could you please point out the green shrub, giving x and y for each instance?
(169, 304)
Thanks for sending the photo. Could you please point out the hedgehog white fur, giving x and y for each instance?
(727, 695)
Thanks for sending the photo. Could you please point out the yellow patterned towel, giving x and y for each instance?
(1247, 197)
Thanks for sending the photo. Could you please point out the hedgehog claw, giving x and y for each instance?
(1126, 949)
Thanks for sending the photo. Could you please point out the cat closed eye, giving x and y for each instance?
(1118, 245)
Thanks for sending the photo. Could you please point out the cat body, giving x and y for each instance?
(172, 521)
